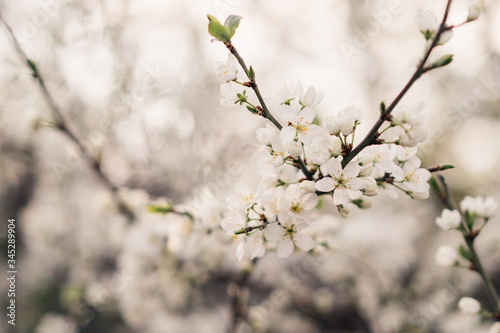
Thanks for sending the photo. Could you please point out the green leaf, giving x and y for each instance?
(443, 61)
(217, 30)
(159, 209)
(465, 253)
(232, 23)
(434, 185)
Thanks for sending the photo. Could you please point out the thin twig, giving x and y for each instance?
(267, 113)
(368, 140)
(62, 125)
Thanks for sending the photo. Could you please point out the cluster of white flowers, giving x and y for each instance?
(476, 212)
(306, 163)
(312, 162)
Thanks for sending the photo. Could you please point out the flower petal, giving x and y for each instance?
(274, 233)
(285, 248)
(307, 115)
(288, 133)
(334, 167)
(310, 201)
(240, 250)
(352, 169)
(340, 196)
(325, 184)
(304, 242)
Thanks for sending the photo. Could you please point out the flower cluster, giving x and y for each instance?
(472, 218)
(306, 164)
(473, 215)
(312, 161)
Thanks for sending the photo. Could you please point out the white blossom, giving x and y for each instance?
(428, 25)
(495, 328)
(287, 235)
(344, 122)
(341, 181)
(227, 70)
(253, 242)
(234, 222)
(287, 93)
(297, 206)
(413, 136)
(269, 200)
(311, 98)
(308, 186)
(449, 219)
(300, 125)
(482, 207)
(414, 179)
(318, 152)
(265, 135)
(469, 305)
(446, 256)
(412, 115)
(229, 92)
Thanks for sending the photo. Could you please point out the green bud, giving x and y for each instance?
(443, 61)
(382, 107)
(465, 253)
(32, 65)
(251, 74)
(252, 109)
(469, 219)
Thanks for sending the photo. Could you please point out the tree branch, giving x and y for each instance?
(416, 75)
(62, 125)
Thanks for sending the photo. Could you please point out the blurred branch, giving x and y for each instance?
(469, 236)
(62, 125)
(238, 292)
(385, 114)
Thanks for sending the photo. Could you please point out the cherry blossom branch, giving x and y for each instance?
(62, 125)
(372, 136)
(265, 110)
(469, 235)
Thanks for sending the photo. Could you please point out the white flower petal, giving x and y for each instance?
(307, 115)
(240, 250)
(304, 242)
(274, 233)
(340, 197)
(309, 201)
(288, 133)
(352, 169)
(285, 248)
(325, 184)
(334, 167)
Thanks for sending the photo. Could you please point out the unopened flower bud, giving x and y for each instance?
(308, 186)
(475, 10)
(469, 305)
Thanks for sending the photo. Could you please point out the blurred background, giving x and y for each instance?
(135, 81)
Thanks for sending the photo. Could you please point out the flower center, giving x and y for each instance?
(296, 207)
